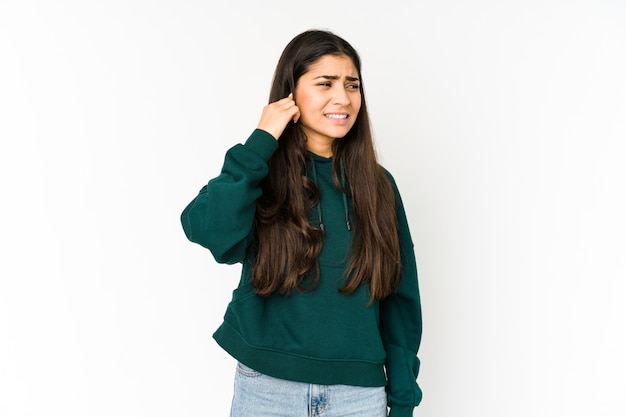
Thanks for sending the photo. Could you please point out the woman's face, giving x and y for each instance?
(329, 98)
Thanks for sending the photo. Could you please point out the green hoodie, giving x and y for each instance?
(322, 336)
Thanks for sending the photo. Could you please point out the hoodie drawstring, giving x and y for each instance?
(342, 176)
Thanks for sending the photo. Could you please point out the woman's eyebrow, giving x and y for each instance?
(336, 77)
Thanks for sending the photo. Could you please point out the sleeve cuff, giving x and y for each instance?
(262, 143)
(401, 411)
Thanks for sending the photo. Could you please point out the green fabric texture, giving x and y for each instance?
(320, 336)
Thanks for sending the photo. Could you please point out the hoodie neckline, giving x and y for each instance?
(320, 158)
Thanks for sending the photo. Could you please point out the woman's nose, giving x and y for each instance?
(341, 96)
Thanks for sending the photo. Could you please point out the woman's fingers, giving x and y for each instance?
(276, 115)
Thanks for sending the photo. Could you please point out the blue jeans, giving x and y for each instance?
(259, 395)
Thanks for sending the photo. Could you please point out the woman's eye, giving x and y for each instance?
(326, 84)
(353, 86)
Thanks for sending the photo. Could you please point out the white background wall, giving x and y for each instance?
(503, 122)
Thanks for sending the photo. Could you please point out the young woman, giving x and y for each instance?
(326, 317)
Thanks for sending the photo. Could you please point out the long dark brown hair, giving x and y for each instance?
(287, 245)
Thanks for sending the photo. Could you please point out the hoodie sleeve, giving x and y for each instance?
(220, 217)
(401, 327)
